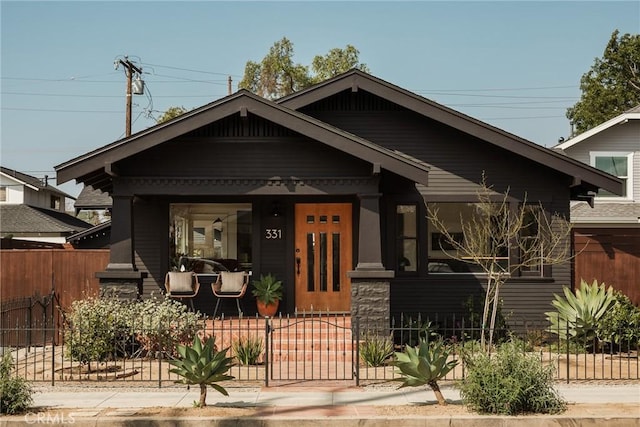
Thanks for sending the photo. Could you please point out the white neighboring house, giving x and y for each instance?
(31, 209)
(611, 228)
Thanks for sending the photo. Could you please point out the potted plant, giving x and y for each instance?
(268, 293)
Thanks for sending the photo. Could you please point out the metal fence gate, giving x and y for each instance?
(310, 346)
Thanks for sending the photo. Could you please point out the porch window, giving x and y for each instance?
(216, 232)
(407, 238)
(618, 164)
(530, 245)
(442, 256)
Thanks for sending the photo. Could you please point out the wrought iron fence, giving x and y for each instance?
(308, 346)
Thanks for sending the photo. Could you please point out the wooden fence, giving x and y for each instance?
(69, 273)
(609, 255)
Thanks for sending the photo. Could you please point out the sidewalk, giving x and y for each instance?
(302, 396)
(604, 405)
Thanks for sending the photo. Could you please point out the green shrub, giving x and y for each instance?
(621, 324)
(159, 324)
(375, 349)
(248, 349)
(98, 328)
(577, 315)
(15, 392)
(510, 382)
(102, 328)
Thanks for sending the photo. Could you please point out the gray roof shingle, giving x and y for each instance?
(90, 198)
(31, 219)
(606, 212)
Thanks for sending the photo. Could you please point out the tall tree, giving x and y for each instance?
(278, 75)
(611, 86)
(335, 62)
(172, 112)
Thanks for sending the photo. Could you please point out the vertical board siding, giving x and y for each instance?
(609, 255)
(70, 273)
(151, 245)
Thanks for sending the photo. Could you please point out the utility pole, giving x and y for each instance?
(129, 68)
(229, 85)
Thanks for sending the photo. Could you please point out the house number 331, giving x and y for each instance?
(273, 233)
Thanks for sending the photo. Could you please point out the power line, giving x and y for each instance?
(191, 70)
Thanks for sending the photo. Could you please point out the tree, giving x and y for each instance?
(335, 62)
(277, 75)
(502, 240)
(611, 86)
(171, 113)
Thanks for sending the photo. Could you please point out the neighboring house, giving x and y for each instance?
(31, 209)
(327, 189)
(93, 206)
(610, 226)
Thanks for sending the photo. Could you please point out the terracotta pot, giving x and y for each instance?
(267, 309)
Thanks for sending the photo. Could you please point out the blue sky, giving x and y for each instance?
(516, 65)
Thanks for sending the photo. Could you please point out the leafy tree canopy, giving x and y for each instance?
(171, 113)
(277, 75)
(611, 86)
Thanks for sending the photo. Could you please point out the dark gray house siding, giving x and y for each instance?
(353, 140)
(457, 161)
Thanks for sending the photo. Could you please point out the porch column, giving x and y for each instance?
(121, 276)
(370, 282)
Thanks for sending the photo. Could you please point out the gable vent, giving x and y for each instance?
(236, 126)
(353, 101)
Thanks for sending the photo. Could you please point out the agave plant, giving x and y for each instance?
(577, 316)
(202, 365)
(424, 364)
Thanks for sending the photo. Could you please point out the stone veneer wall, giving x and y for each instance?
(370, 304)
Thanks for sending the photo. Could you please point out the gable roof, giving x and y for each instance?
(96, 231)
(632, 114)
(355, 80)
(31, 181)
(32, 219)
(91, 198)
(98, 162)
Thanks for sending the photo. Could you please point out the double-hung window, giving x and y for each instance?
(407, 238)
(617, 163)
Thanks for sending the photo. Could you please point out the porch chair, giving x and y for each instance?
(230, 284)
(182, 284)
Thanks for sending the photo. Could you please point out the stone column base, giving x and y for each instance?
(123, 285)
(370, 305)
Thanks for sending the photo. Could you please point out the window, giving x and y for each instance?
(442, 256)
(407, 238)
(3, 193)
(618, 164)
(530, 244)
(211, 231)
(55, 202)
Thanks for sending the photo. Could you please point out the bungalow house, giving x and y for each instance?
(327, 189)
(607, 232)
(31, 209)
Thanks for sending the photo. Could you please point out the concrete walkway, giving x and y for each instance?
(301, 406)
(301, 396)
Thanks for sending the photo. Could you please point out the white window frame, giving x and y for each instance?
(629, 155)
